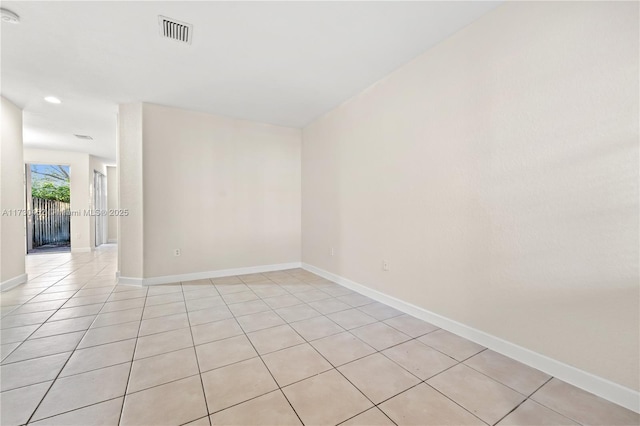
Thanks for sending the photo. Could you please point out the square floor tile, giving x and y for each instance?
(163, 299)
(351, 318)
(250, 278)
(355, 299)
(311, 397)
(269, 409)
(297, 313)
(422, 405)
(32, 371)
(329, 306)
(282, 301)
(380, 311)
(530, 413)
(165, 323)
(231, 288)
(173, 403)
(236, 383)
(63, 326)
(419, 359)
(242, 296)
(342, 348)
(88, 300)
(582, 406)
(259, 321)
(156, 344)
(204, 303)
(378, 377)
(476, 392)
(112, 333)
(97, 357)
(313, 295)
(163, 310)
(450, 344)
(5, 350)
(17, 334)
(160, 369)
(379, 335)
(268, 290)
(25, 319)
(128, 294)
(34, 348)
(248, 308)
(162, 289)
(224, 352)
(274, 338)
(507, 371)
(336, 290)
(201, 293)
(217, 330)
(295, 363)
(121, 305)
(80, 311)
(204, 316)
(226, 280)
(101, 414)
(19, 404)
(69, 393)
(117, 317)
(410, 326)
(316, 328)
(371, 417)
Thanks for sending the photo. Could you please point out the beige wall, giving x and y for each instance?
(80, 187)
(498, 175)
(12, 227)
(225, 192)
(112, 203)
(130, 227)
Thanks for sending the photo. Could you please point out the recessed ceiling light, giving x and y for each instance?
(9, 17)
(53, 100)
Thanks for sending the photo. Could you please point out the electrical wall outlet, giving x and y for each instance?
(176, 252)
(385, 265)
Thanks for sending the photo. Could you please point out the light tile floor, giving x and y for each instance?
(279, 348)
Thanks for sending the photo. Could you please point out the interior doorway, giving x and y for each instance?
(100, 203)
(48, 198)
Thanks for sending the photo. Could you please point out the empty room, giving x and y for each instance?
(320, 213)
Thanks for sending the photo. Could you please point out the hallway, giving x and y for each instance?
(285, 347)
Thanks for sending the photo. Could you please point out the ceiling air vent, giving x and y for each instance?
(175, 30)
(84, 137)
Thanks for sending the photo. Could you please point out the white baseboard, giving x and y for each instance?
(112, 241)
(604, 388)
(13, 282)
(208, 274)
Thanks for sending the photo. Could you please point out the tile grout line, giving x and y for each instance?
(133, 356)
(59, 372)
(195, 353)
(279, 388)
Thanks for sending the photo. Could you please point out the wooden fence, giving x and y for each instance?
(51, 222)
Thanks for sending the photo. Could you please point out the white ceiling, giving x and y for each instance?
(283, 63)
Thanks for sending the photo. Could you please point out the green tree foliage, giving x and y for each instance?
(50, 191)
(50, 182)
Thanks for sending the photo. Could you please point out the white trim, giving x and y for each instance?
(112, 240)
(604, 388)
(166, 279)
(13, 282)
(81, 250)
